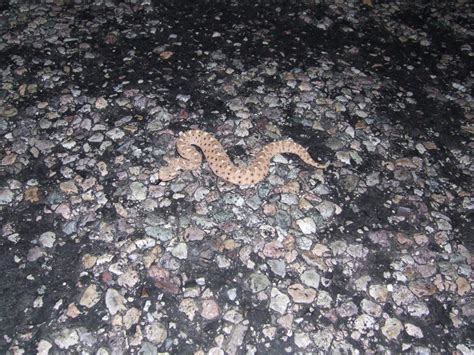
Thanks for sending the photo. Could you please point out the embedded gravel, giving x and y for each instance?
(372, 254)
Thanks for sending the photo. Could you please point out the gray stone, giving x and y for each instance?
(180, 251)
(148, 349)
(323, 338)
(364, 323)
(277, 266)
(302, 340)
(115, 134)
(160, 233)
(258, 282)
(327, 209)
(413, 331)
(200, 193)
(311, 278)
(373, 179)
(95, 138)
(233, 199)
(392, 328)
(6, 196)
(334, 143)
(264, 189)
(156, 333)
(70, 227)
(283, 219)
(114, 301)
(254, 202)
(289, 199)
(66, 338)
(307, 225)
(138, 191)
(35, 253)
(47, 239)
(278, 301)
(347, 309)
(371, 308)
(43, 347)
(236, 339)
(44, 145)
(349, 182)
(90, 297)
(129, 278)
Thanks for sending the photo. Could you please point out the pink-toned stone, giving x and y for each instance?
(274, 250)
(301, 294)
(210, 309)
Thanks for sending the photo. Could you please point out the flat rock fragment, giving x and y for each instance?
(66, 338)
(115, 301)
(90, 297)
(392, 328)
(301, 294)
(278, 301)
(307, 225)
(156, 333)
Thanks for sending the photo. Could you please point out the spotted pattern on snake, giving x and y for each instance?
(220, 163)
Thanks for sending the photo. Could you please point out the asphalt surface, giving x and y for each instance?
(372, 254)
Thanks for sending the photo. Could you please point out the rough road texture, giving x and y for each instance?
(372, 255)
(220, 163)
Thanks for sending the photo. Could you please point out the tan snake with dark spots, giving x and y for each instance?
(220, 162)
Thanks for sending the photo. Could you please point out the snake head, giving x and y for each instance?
(168, 173)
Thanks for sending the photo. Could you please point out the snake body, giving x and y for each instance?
(220, 163)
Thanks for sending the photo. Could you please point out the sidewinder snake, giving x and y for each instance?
(220, 163)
